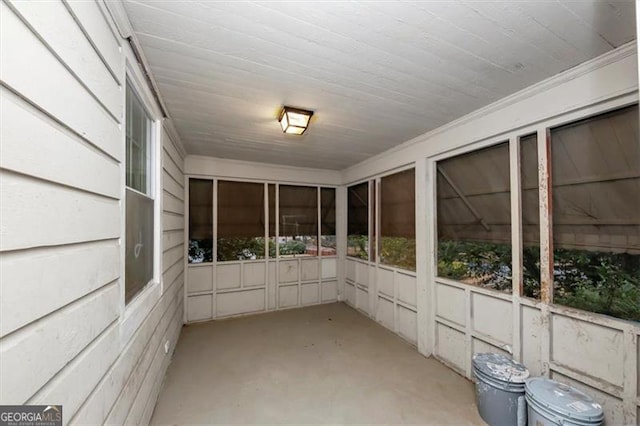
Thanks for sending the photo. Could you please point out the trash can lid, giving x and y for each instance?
(500, 367)
(563, 399)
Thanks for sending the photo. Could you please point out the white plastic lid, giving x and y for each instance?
(563, 399)
(500, 367)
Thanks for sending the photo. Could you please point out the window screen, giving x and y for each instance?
(398, 220)
(530, 216)
(474, 218)
(298, 225)
(272, 220)
(200, 220)
(138, 135)
(358, 221)
(241, 225)
(138, 243)
(139, 206)
(373, 217)
(596, 214)
(328, 221)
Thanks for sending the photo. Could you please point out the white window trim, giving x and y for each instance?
(132, 314)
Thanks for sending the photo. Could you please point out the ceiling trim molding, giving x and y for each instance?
(118, 14)
(206, 166)
(613, 56)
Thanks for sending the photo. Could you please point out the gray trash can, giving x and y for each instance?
(499, 385)
(553, 403)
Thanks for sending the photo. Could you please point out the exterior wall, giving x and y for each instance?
(596, 353)
(66, 336)
(224, 289)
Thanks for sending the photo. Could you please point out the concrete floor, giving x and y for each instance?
(321, 364)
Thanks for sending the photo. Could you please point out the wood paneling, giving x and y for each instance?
(571, 336)
(240, 302)
(429, 63)
(199, 278)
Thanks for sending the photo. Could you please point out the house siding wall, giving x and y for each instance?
(66, 336)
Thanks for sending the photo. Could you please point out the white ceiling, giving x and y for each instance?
(376, 73)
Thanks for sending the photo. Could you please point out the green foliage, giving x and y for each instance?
(329, 241)
(605, 283)
(240, 248)
(293, 247)
(200, 251)
(484, 264)
(531, 271)
(399, 252)
(358, 246)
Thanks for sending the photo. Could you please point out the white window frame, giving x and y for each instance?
(136, 310)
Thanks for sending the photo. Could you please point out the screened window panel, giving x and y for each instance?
(398, 220)
(200, 220)
(138, 243)
(272, 220)
(596, 214)
(530, 216)
(241, 224)
(138, 135)
(474, 218)
(373, 246)
(298, 216)
(139, 216)
(328, 211)
(328, 221)
(358, 221)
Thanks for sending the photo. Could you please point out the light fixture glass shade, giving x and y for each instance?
(294, 121)
(284, 122)
(294, 130)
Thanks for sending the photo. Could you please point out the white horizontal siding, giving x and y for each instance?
(82, 166)
(65, 335)
(34, 355)
(31, 69)
(36, 213)
(52, 22)
(100, 32)
(172, 186)
(82, 268)
(172, 238)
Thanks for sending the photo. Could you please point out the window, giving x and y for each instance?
(241, 224)
(398, 220)
(596, 214)
(474, 218)
(328, 222)
(530, 216)
(139, 203)
(358, 221)
(298, 226)
(200, 220)
(272, 220)
(373, 217)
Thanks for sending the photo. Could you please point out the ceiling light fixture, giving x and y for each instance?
(294, 120)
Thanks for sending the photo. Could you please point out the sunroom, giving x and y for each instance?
(315, 212)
